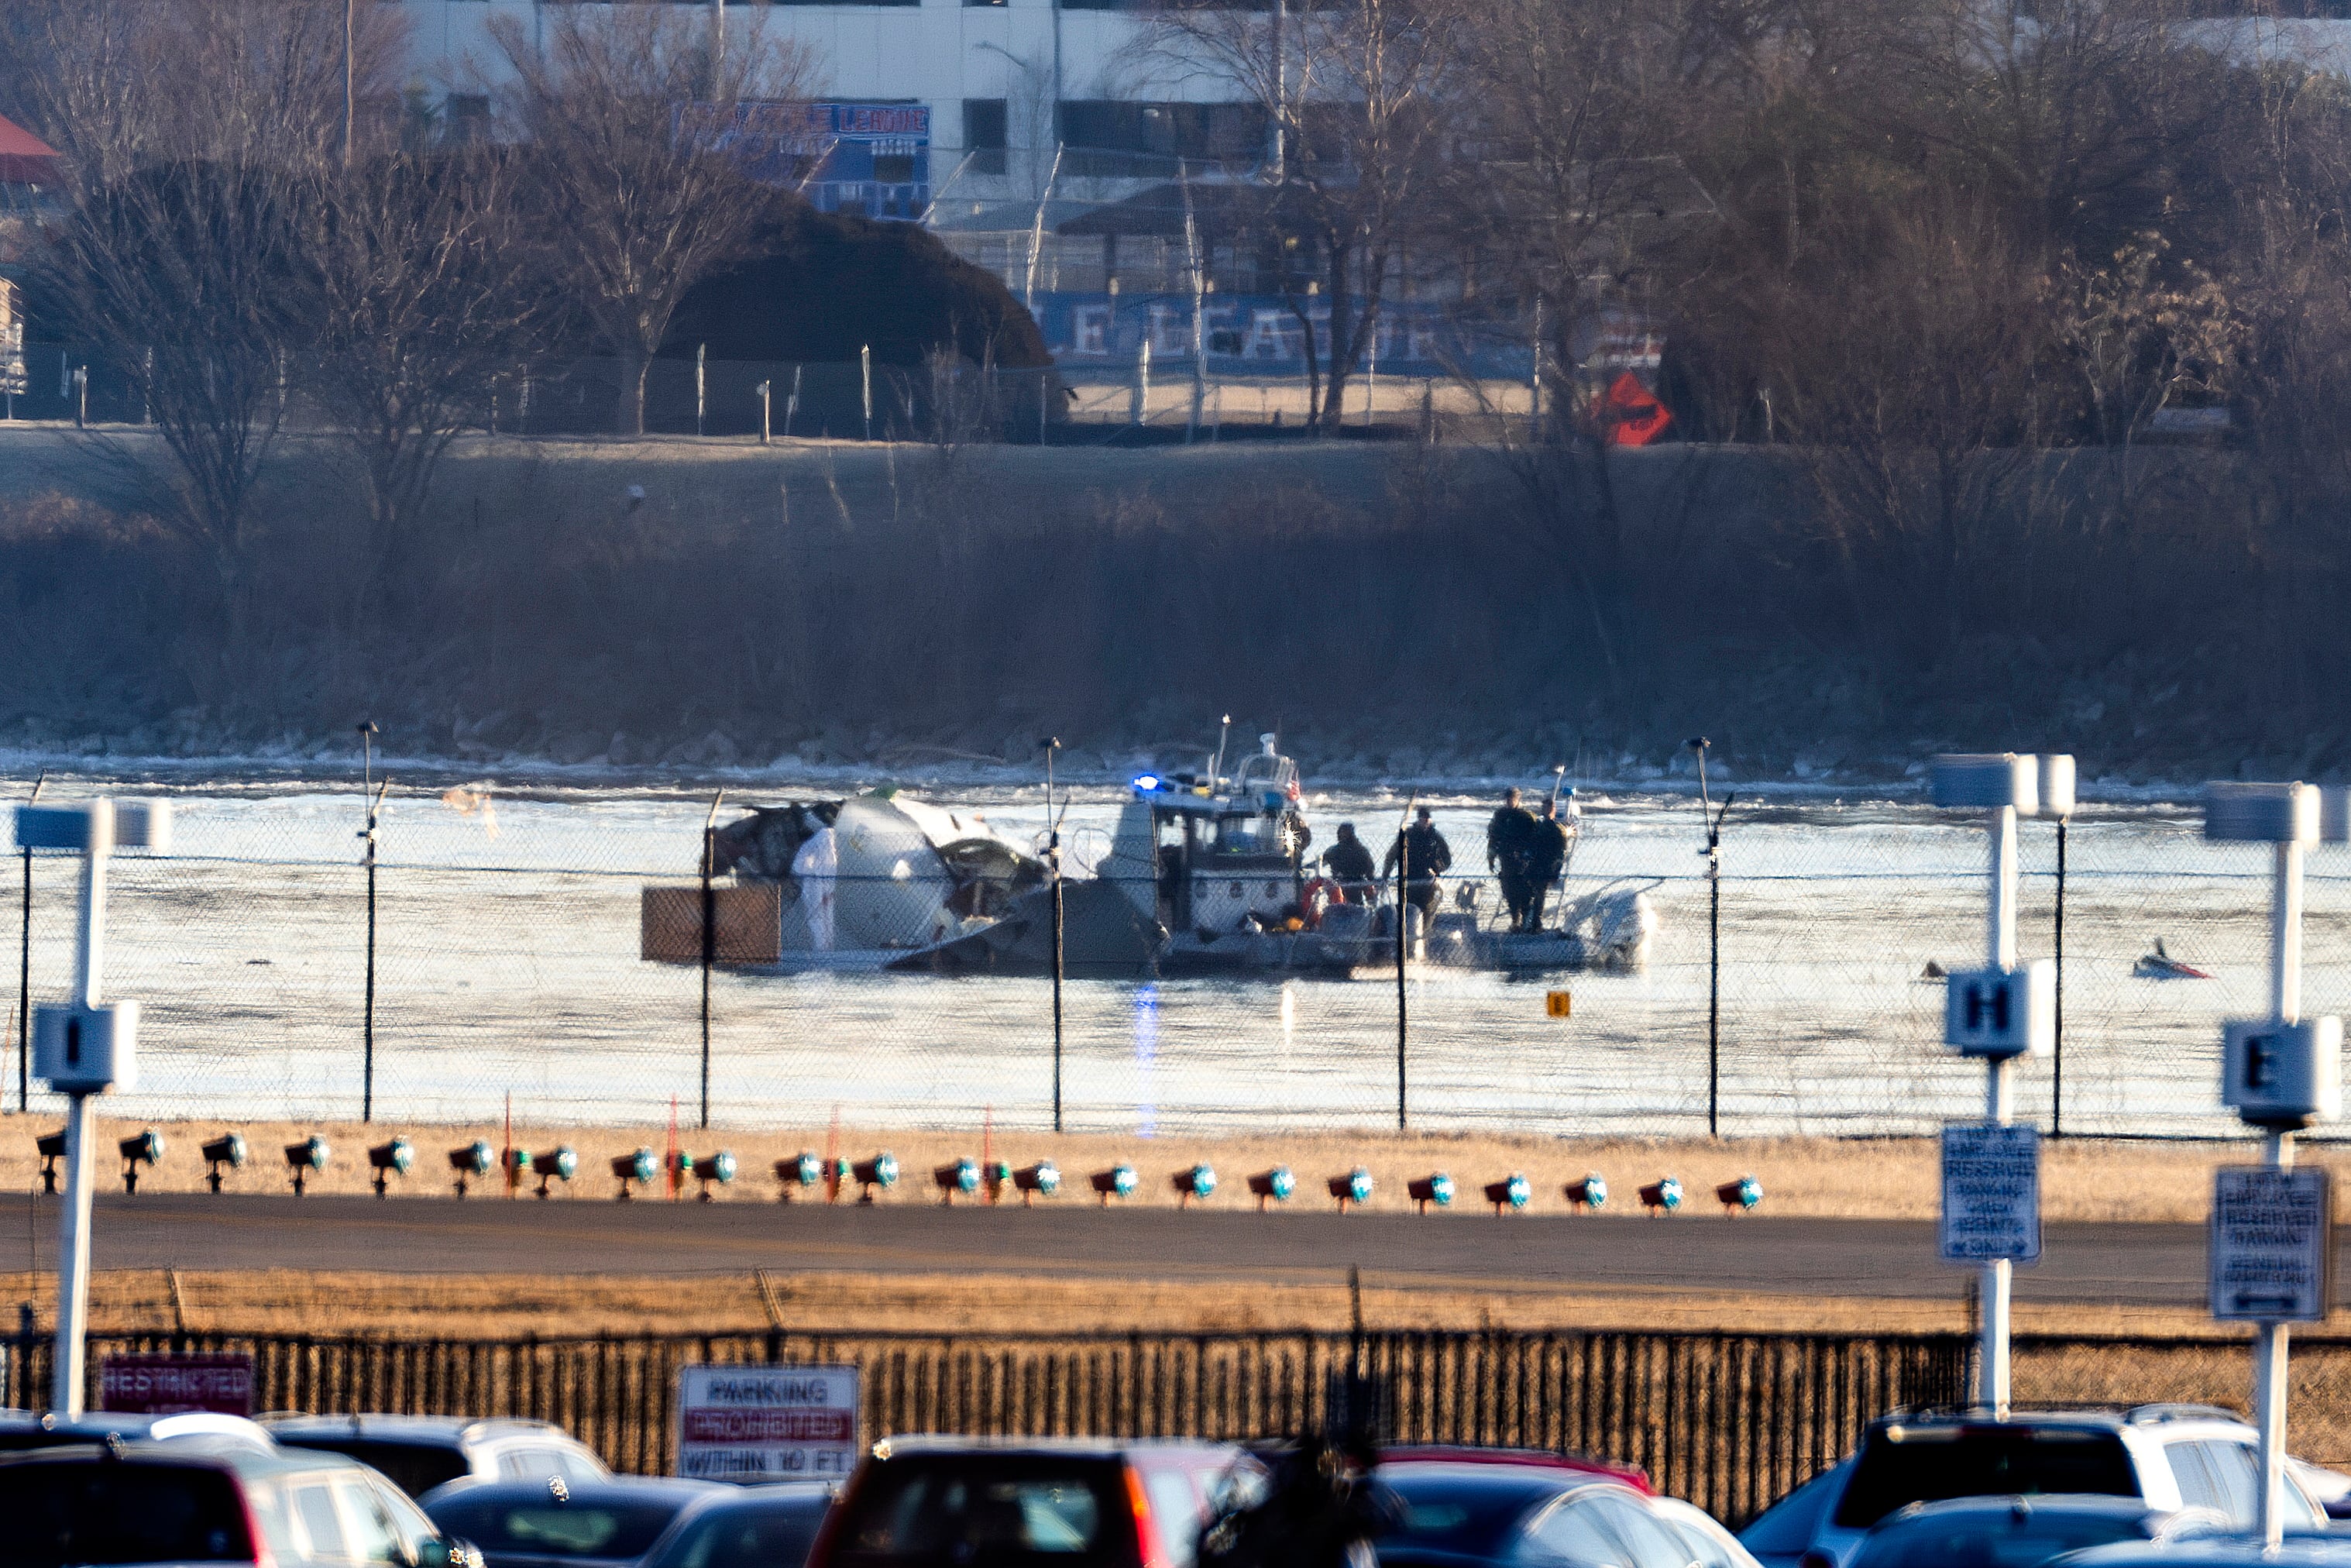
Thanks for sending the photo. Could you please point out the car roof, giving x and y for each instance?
(1092, 1447)
(613, 1489)
(2106, 1418)
(1537, 1458)
(128, 1423)
(2070, 1505)
(2212, 1552)
(201, 1453)
(294, 1427)
(1530, 1483)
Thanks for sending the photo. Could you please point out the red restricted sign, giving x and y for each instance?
(170, 1384)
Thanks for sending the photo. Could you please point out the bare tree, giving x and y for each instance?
(193, 280)
(197, 134)
(625, 116)
(418, 313)
(1350, 90)
(118, 88)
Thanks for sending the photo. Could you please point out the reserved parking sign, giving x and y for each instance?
(767, 1423)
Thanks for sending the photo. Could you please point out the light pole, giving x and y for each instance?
(373, 802)
(1053, 871)
(1996, 1014)
(86, 1047)
(2273, 1226)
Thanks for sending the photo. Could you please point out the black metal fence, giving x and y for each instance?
(1729, 1421)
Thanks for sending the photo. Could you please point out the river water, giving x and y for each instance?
(508, 965)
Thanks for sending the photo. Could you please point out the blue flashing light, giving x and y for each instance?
(1146, 783)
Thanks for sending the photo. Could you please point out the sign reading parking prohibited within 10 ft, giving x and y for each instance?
(2273, 1244)
(1991, 1192)
(767, 1423)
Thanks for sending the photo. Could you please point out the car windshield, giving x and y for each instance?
(1463, 1509)
(1903, 1464)
(1786, 1527)
(415, 1468)
(1991, 1541)
(536, 1525)
(999, 1508)
(751, 1535)
(108, 1512)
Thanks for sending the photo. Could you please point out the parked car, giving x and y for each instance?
(23, 1430)
(1633, 1476)
(2019, 1531)
(1465, 1513)
(769, 1526)
(2169, 1456)
(2234, 1551)
(211, 1500)
(942, 1502)
(421, 1452)
(610, 1523)
(2328, 1491)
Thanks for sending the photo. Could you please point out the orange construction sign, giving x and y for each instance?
(1629, 415)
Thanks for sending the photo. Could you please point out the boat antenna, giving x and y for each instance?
(1217, 768)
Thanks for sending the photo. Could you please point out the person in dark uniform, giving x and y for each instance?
(1546, 858)
(1349, 863)
(1509, 855)
(1427, 857)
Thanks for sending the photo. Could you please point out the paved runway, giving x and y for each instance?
(2157, 1264)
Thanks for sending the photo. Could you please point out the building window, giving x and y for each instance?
(986, 134)
(1108, 136)
(466, 117)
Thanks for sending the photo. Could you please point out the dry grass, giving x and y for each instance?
(1879, 1178)
(498, 1305)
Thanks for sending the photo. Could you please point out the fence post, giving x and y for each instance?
(709, 939)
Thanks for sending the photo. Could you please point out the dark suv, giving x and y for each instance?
(944, 1502)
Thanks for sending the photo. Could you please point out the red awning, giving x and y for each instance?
(24, 158)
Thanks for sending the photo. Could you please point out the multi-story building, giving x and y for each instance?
(1062, 144)
(924, 103)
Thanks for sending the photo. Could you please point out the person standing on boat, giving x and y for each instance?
(1427, 857)
(1546, 858)
(1348, 862)
(1509, 854)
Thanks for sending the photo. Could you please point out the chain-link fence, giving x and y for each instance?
(508, 934)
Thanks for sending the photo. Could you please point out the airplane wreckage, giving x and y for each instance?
(1204, 875)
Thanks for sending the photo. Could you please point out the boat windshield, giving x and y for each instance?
(1247, 836)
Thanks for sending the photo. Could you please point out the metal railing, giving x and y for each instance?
(1730, 1421)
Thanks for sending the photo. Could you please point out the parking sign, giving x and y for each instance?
(767, 1423)
(2273, 1244)
(1991, 1192)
